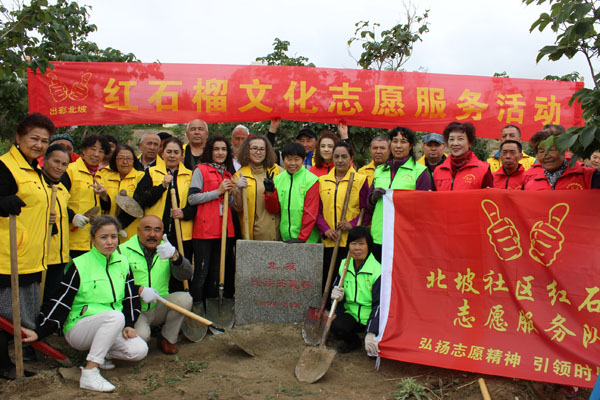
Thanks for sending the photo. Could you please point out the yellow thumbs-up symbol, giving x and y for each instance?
(79, 90)
(503, 234)
(58, 89)
(546, 238)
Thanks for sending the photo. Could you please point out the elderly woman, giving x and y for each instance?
(96, 307)
(324, 153)
(462, 170)
(85, 190)
(23, 193)
(125, 173)
(400, 171)
(553, 171)
(256, 174)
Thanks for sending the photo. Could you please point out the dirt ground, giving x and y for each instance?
(215, 369)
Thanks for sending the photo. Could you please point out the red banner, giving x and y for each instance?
(129, 93)
(492, 281)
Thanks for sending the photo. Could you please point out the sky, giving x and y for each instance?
(466, 37)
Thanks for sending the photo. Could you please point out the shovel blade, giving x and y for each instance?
(314, 363)
(221, 312)
(242, 343)
(193, 330)
(313, 326)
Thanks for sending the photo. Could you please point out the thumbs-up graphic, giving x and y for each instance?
(58, 89)
(546, 238)
(502, 232)
(79, 90)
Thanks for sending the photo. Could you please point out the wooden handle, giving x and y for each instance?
(185, 312)
(186, 285)
(52, 207)
(223, 239)
(336, 247)
(246, 219)
(484, 390)
(14, 291)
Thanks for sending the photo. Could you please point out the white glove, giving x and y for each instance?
(149, 295)
(122, 233)
(337, 293)
(242, 182)
(165, 250)
(80, 220)
(371, 345)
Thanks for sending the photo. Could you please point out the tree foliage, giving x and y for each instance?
(576, 24)
(390, 48)
(279, 56)
(31, 36)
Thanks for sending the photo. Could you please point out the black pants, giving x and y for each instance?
(207, 256)
(54, 276)
(345, 327)
(176, 285)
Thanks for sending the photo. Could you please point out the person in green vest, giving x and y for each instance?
(152, 260)
(295, 194)
(358, 295)
(400, 171)
(96, 306)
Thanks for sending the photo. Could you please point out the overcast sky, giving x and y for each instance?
(467, 37)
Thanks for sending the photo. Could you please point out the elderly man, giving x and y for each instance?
(380, 152)
(149, 145)
(511, 175)
(433, 151)
(197, 134)
(510, 132)
(238, 135)
(152, 260)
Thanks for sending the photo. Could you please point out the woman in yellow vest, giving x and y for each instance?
(258, 161)
(332, 191)
(125, 173)
(153, 193)
(56, 161)
(85, 190)
(23, 193)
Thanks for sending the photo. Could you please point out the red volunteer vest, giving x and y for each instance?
(574, 178)
(469, 176)
(514, 181)
(208, 220)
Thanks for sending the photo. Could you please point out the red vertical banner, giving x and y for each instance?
(498, 282)
(76, 93)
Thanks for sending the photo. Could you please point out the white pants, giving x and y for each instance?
(102, 335)
(170, 320)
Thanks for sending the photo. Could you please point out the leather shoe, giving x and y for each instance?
(166, 346)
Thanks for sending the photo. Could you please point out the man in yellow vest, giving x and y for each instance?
(510, 132)
(380, 152)
(196, 132)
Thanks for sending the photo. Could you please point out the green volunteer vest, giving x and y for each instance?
(101, 287)
(291, 191)
(405, 178)
(358, 288)
(160, 273)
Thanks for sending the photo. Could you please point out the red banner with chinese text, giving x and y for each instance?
(76, 93)
(491, 281)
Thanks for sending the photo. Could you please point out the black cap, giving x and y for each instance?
(306, 132)
(164, 135)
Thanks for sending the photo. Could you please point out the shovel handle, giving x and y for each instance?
(246, 220)
(52, 207)
(14, 292)
(223, 239)
(174, 204)
(185, 312)
(334, 306)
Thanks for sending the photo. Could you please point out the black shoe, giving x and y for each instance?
(347, 347)
(11, 374)
(29, 353)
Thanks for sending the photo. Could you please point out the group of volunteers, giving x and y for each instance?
(109, 272)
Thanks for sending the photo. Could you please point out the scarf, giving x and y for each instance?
(92, 170)
(218, 167)
(460, 161)
(553, 176)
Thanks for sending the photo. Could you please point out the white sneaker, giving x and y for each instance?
(107, 364)
(92, 380)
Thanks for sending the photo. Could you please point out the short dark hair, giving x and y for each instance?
(244, 156)
(510, 141)
(324, 135)
(112, 163)
(110, 138)
(380, 138)
(540, 136)
(359, 232)
(408, 134)
(345, 145)
(467, 128)
(206, 156)
(98, 222)
(56, 147)
(91, 140)
(293, 149)
(173, 139)
(512, 126)
(35, 120)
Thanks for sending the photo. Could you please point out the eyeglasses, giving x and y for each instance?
(258, 149)
(123, 159)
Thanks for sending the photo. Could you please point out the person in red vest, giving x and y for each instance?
(553, 171)
(511, 173)
(462, 170)
(210, 180)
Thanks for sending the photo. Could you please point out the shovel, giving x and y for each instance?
(315, 361)
(246, 222)
(233, 338)
(220, 310)
(14, 293)
(129, 205)
(89, 213)
(312, 326)
(52, 207)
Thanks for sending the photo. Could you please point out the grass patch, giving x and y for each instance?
(410, 389)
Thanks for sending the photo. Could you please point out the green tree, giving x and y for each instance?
(31, 36)
(576, 24)
(279, 56)
(391, 48)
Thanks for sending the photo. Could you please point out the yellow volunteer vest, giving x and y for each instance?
(58, 253)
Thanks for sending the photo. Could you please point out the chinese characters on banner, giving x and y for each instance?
(492, 281)
(76, 93)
